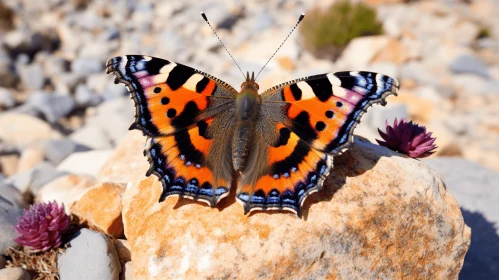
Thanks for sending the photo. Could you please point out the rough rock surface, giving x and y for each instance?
(380, 215)
(14, 273)
(127, 163)
(91, 256)
(100, 206)
(67, 189)
(476, 190)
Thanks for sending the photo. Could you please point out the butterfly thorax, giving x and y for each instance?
(247, 112)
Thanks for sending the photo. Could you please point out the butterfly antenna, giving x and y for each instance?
(212, 29)
(296, 25)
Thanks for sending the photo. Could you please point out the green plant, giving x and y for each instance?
(327, 32)
(484, 32)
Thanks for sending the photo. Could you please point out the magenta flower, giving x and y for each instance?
(40, 228)
(408, 138)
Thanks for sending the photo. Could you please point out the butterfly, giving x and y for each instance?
(280, 144)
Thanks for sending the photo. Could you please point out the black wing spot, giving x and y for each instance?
(303, 129)
(296, 91)
(201, 85)
(178, 76)
(171, 113)
(284, 135)
(320, 126)
(165, 100)
(187, 117)
(157, 90)
(329, 114)
(323, 89)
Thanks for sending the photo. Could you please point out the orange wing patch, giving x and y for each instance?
(179, 161)
(295, 170)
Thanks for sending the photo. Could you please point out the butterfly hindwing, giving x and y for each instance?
(294, 170)
(314, 119)
(177, 106)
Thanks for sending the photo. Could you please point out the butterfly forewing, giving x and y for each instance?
(178, 107)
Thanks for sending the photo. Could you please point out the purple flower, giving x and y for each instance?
(408, 138)
(40, 228)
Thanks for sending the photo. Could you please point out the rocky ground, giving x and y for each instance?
(61, 116)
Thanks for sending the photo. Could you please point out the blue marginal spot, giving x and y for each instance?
(257, 199)
(243, 196)
(323, 169)
(273, 197)
(206, 191)
(220, 191)
(192, 186)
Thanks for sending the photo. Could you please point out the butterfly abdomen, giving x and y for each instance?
(247, 112)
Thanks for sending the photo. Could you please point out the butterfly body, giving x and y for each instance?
(280, 143)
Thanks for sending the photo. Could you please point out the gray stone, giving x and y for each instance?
(87, 66)
(92, 136)
(54, 65)
(469, 64)
(9, 212)
(87, 163)
(91, 255)
(66, 83)
(85, 97)
(32, 76)
(11, 195)
(476, 190)
(30, 181)
(51, 106)
(8, 74)
(114, 118)
(57, 150)
(6, 99)
(14, 273)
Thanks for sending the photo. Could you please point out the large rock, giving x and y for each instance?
(9, 212)
(100, 206)
(89, 162)
(476, 190)
(14, 273)
(91, 256)
(66, 189)
(127, 163)
(380, 215)
(27, 129)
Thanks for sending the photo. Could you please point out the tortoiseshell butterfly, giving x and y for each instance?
(202, 132)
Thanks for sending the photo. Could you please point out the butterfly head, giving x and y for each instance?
(250, 83)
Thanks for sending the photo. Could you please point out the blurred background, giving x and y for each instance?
(60, 113)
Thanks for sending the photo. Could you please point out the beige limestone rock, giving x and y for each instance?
(8, 164)
(123, 248)
(66, 189)
(380, 215)
(22, 130)
(88, 162)
(30, 157)
(14, 273)
(127, 271)
(100, 207)
(127, 163)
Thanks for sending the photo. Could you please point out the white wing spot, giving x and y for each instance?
(339, 92)
(192, 82)
(335, 81)
(306, 91)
